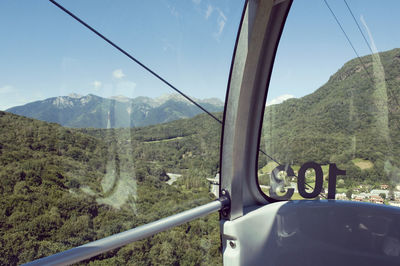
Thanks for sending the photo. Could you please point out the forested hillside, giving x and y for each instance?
(355, 115)
(62, 187)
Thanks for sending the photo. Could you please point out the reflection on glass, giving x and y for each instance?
(348, 126)
(121, 150)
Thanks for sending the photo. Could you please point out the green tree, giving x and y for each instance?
(349, 192)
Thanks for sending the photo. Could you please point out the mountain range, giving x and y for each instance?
(54, 184)
(115, 112)
(355, 114)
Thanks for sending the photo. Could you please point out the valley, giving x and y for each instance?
(92, 169)
(63, 187)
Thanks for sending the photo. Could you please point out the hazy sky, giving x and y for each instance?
(45, 53)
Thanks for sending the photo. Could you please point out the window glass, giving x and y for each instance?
(331, 121)
(91, 144)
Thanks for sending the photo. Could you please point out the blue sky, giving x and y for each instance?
(312, 47)
(45, 53)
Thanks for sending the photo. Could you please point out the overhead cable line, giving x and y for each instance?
(369, 46)
(358, 26)
(142, 65)
(263, 152)
(149, 70)
(134, 59)
(348, 40)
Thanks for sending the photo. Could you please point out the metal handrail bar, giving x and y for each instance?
(103, 245)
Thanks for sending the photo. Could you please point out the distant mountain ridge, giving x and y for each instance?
(119, 111)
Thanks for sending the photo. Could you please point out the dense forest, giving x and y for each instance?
(65, 187)
(62, 187)
(354, 117)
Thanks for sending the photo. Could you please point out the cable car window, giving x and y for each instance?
(331, 121)
(93, 143)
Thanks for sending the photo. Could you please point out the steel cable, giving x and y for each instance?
(150, 71)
